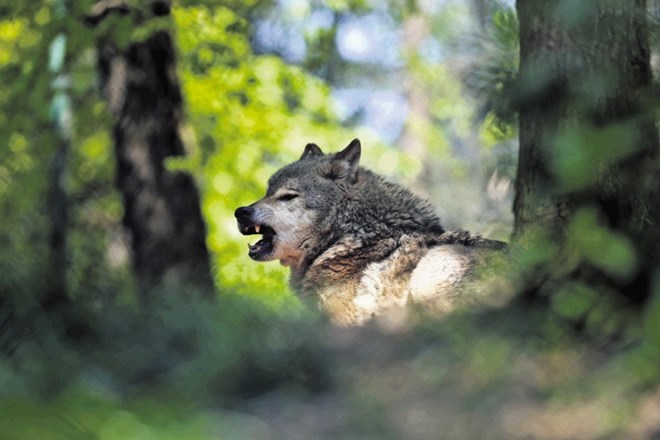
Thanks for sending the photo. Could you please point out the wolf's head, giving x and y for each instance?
(295, 216)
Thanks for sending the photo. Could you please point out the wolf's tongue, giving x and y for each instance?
(261, 247)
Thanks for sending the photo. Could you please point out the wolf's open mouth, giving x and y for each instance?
(264, 246)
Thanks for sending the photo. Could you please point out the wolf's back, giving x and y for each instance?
(431, 270)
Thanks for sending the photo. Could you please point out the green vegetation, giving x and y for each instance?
(564, 345)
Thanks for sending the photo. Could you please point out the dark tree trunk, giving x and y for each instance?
(545, 48)
(161, 208)
(586, 64)
(57, 199)
(56, 292)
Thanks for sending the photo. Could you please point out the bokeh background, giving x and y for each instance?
(430, 88)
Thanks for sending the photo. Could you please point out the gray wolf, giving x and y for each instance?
(359, 244)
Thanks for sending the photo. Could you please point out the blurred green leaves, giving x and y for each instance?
(574, 301)
(146, 375)
(608, 250)
(582, 156)
(238, 108)
(496, 69)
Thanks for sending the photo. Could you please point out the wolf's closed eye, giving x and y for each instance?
(286, 197)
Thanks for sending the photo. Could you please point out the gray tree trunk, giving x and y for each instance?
(415, 133)
(587, 64)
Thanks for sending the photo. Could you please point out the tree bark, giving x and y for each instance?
(161, 208)
(481, 13)
(544, 46)
(57, 200)
(415, 30)
(414, 138)
(587, 64)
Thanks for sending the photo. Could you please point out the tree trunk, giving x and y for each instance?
(414, 139)
(544, 46)
(415, 31)
(586, 64)
(161, 208)
(481, 13)
(61, 115)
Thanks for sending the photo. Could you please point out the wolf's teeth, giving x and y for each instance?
(257, 228)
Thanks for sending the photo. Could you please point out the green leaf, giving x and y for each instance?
(574, 300)
(606, 249)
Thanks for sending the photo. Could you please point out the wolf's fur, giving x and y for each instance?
(357, 242)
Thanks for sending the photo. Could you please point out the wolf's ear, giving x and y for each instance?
(311, 151)
(346, 162)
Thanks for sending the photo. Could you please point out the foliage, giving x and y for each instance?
(255, 363)
(495, 69)
(118, 372)
(233, 370)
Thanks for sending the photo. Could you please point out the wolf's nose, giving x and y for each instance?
(244, 214)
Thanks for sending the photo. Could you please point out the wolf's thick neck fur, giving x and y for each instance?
(372, 213)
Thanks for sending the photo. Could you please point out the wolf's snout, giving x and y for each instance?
(263, 249)
(244, 214)
(247, 224)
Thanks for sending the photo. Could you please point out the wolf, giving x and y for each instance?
(357, 243)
